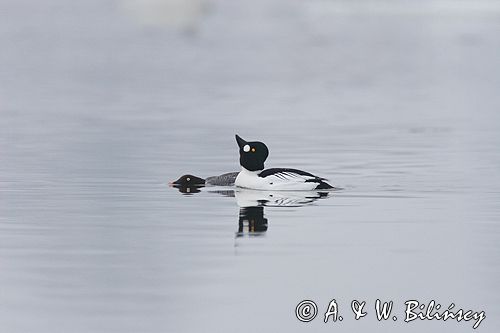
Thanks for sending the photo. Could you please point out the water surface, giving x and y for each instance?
(102, 103)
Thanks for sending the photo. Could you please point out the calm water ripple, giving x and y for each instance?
(102, 103)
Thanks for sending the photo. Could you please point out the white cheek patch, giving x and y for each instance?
(246, 148)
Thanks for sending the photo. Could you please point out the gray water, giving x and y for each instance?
(102, 103)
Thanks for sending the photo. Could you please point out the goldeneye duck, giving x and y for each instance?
(188, 180)
(252, 175)
(226, 179)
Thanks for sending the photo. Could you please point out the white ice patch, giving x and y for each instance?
(246, 148)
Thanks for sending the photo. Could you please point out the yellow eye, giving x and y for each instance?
(253, 150)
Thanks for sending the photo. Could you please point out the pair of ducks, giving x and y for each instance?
(254, 176)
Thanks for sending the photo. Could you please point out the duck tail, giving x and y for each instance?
(324, 186)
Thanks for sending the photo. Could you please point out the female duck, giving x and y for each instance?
(226, 179)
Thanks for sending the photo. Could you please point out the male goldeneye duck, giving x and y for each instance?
(226, 179)
(252, 175)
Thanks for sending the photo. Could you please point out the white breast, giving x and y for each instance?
(249, 179)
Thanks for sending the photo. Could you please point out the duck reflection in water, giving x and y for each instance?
(252, 221)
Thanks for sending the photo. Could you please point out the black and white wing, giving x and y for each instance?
(291, 176)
